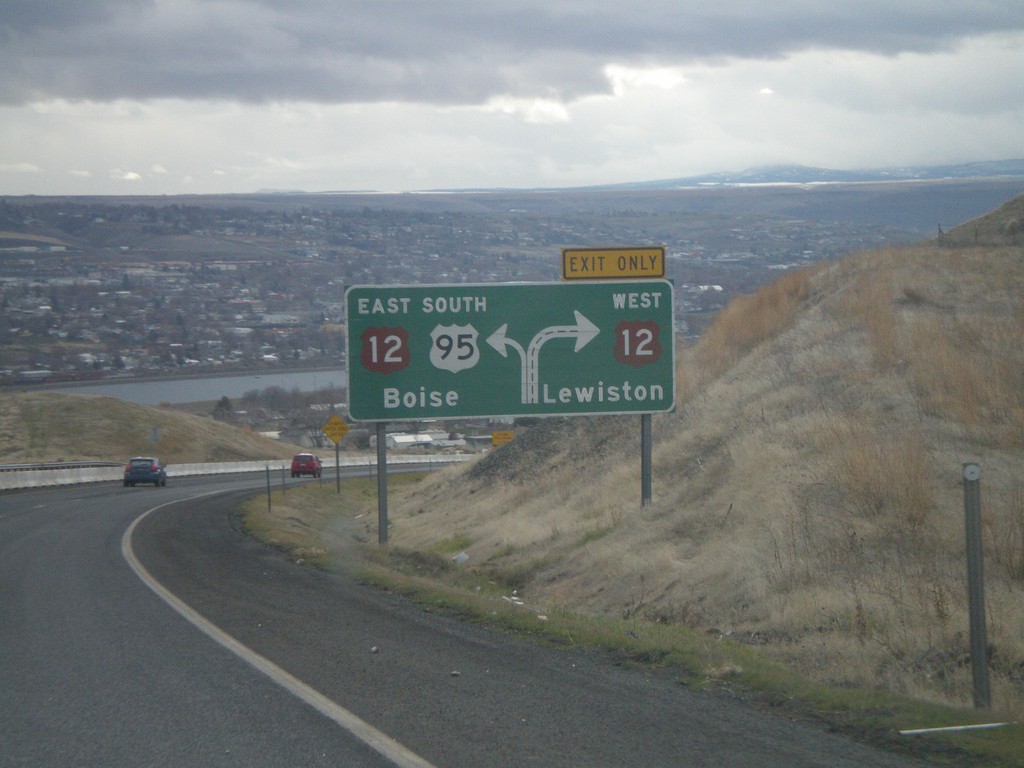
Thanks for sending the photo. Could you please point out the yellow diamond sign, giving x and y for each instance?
(335, 428)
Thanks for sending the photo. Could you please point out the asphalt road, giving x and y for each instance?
(234, 656)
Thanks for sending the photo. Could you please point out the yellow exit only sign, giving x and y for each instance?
(613, 263)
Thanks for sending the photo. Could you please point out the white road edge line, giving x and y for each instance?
(398, 754)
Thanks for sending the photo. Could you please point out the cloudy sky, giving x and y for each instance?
(207, 96)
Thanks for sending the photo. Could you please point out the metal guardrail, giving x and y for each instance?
(58, 465)
(15, 476)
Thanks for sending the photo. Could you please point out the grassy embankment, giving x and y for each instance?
(53, 426)
(315, 525)
(806, 537)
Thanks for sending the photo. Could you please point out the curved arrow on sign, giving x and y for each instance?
(500, 341)
(583, 331)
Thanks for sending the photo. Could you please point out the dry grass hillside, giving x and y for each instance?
(1003, 226)
(49, 426)
(807, 492)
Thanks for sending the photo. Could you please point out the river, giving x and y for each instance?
(177, 391)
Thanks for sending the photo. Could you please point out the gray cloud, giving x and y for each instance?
(32, 16)
(439, 52)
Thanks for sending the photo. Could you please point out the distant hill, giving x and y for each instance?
(807, 492)
(801, 174)
(1004, 226)
(50, 426)
(916, 201)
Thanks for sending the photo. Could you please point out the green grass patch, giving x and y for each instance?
(316, 523)
(594, 535)
(453, 544)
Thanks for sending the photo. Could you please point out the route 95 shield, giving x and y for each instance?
(454, 347)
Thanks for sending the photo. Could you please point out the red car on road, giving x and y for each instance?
(306, 464)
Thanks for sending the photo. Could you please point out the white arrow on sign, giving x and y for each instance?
(584, 331)
(501, 342)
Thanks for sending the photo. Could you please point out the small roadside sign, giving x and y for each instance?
(645, 263)
(500, 438)
(335, 428)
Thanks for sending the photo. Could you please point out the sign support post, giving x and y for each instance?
(382, 483)
(976, 586)
(645, 460)
(336, 428)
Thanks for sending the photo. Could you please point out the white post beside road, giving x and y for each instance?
(976, 586)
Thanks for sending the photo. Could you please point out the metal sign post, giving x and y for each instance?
(336, 428)
(976, 586)
(382, 484)
(645, 460)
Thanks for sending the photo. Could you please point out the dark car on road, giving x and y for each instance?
(145, 469)
(306, 464)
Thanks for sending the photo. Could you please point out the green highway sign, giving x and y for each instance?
(509, 349)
